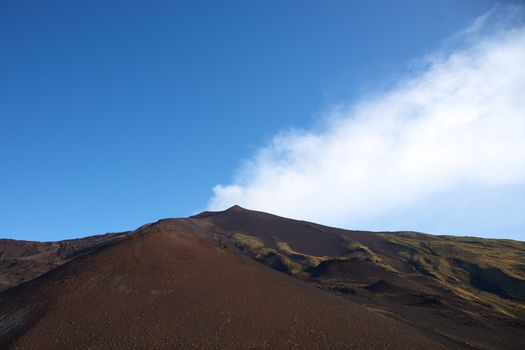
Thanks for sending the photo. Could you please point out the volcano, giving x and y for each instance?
(242, 279)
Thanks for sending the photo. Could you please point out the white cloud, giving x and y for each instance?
(458, 123)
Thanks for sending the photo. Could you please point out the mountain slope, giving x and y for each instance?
(22, 261)
(467, 291)
(204, 281)
(161, 289)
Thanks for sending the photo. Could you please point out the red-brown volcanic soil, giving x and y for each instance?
(171, 289)
(301, 235)
(208, 282)
(21, 261)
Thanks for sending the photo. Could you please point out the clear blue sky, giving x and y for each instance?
(117, 113)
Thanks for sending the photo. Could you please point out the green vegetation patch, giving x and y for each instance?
(251, 245)
(491, 265)
(357, 250)
(299, 258)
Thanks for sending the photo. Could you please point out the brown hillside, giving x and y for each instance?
(209, 282)
(22, 261)
(164, 289)
(467, 292)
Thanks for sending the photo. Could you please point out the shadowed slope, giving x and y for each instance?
(468, 292)
(301, 235)
(22, 261)
(161, 289)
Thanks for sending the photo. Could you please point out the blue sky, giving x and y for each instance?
(118, 113)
